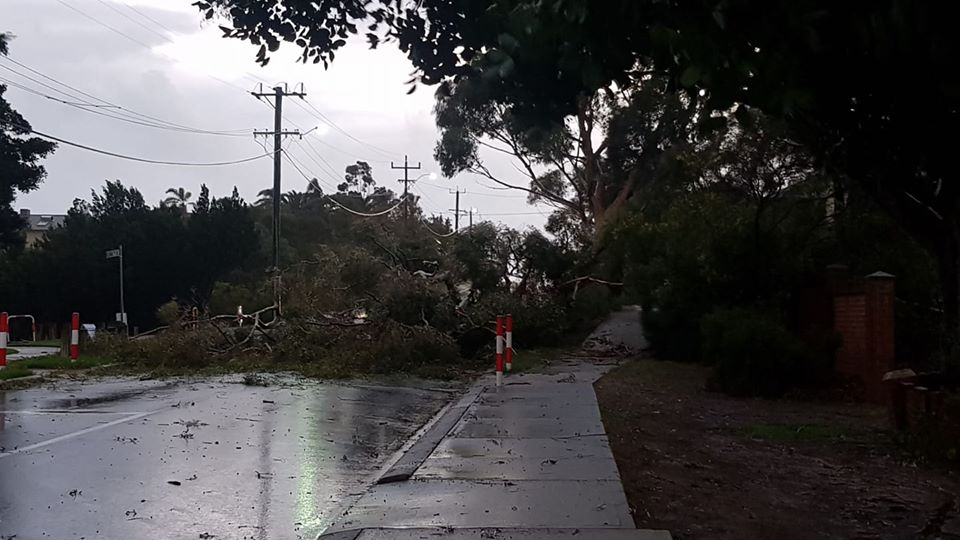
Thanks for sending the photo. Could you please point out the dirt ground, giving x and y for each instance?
(704, 465)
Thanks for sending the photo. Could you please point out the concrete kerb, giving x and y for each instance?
(413, 455)
(497, 533)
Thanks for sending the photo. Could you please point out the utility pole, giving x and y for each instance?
(279, 92)
(456, 210)
(406, 181)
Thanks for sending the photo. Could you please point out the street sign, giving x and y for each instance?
(113, 253)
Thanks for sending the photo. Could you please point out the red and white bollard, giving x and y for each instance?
(74, 336)
(4, 333)
(499, 351)
(509, 342)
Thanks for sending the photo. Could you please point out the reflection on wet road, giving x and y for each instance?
(154, 459)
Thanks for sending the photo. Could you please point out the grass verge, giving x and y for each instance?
(58, 362)
(14, 372)
(38, 343)
(796, 433)
(534, 359)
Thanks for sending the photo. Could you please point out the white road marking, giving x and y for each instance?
(72, 435)
(68, 411)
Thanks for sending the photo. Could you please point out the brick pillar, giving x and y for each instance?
(850, 322)
(881, 337)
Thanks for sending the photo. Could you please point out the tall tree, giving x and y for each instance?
(20, 168)
(589, 166)
(358, 179)
(264, 198)
(861, 83)
(178, 198)
(203, 201)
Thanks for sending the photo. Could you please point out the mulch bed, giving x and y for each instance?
(705, 465)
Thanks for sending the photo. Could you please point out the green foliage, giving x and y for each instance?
(380, 348)
(168, 313)
(85, 361)
(20, 157)
(166, 255)
(178, 348)
(820, 67)
(755, 355)
(415, 301)
(588, 165)
(226, 297)
(361, 271)
(593, 302)
(14, 372)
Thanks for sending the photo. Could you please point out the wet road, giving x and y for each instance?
(29, 351)
(177, 459)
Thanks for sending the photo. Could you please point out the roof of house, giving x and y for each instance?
(44, 222)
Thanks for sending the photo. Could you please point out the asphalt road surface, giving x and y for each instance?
(29, 351)
(209, 459)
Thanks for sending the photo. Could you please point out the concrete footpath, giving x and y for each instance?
(528, 461)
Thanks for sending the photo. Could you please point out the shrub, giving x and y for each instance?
(227, 296)
(594, 301)
(360, 270)
(379, 347)
(754, 354)
(413, 301)
(168, 313)
(538, 319)
(673, 333)
(174, 348)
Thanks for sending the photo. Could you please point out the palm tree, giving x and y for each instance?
(264, 197)
(296, 200)
(179, 197)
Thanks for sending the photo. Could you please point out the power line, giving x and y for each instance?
(142, 44)
(147, 17)
(101, 23)
(324, 118)
(475, 193)
(515, 214)
(86, 108)
(353, 155)
(130, 112)
(129, 18)
(319, 160)
(139, 159)
(334, 201)
(437, 206)
(438, 235)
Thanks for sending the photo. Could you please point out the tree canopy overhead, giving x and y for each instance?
(20, 168)
(864, 84)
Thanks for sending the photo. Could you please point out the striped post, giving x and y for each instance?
(4, 332)
(499, 351)
(33, 328)
(74, 336)
(509, 342)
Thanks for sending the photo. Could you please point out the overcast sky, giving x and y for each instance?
(172, 67)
